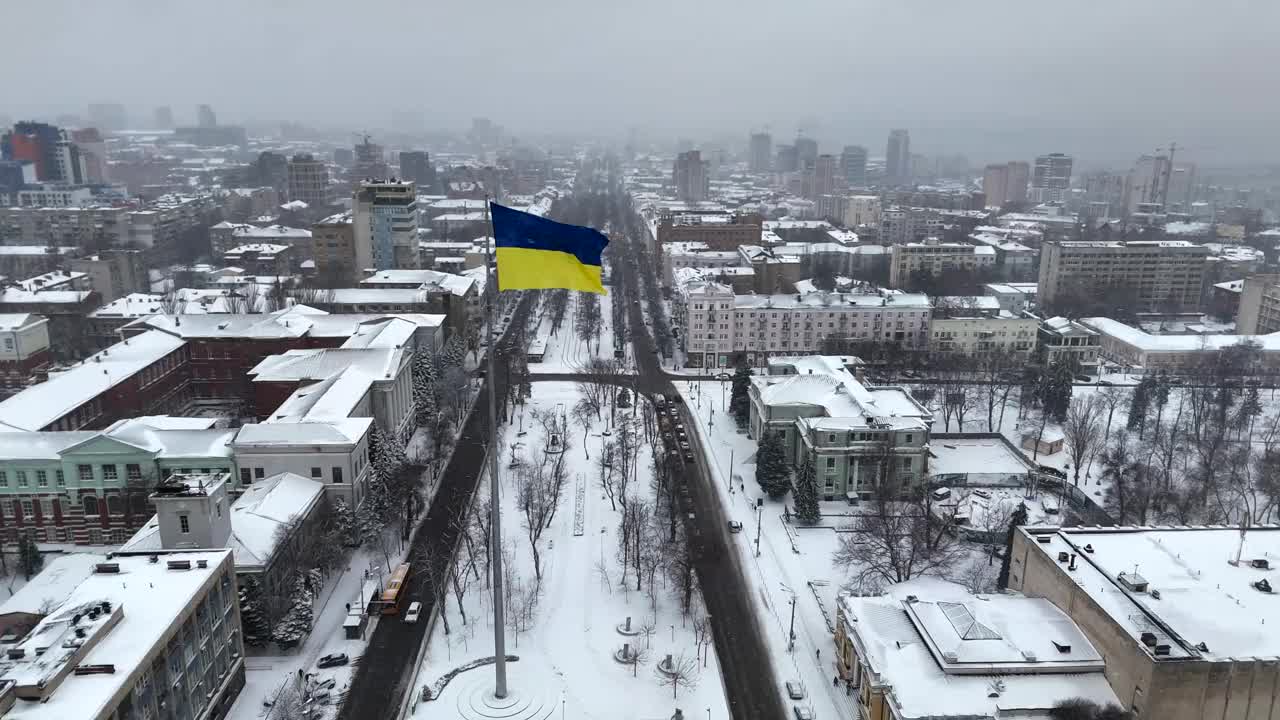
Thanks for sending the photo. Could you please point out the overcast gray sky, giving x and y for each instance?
(987, 78)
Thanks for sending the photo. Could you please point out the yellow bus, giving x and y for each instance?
(393, 593)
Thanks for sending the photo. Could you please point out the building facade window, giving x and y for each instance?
(42, 478)
(337, 474)
(133, 471)
(184, 524)
(4, 479)
(109, 472)
(90, 504)
(258, 473)
(22, 478)
(244, 476)
(85, 473)
(60, 477)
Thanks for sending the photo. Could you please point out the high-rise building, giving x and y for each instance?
(1052, 177)
(55, 157)
(1179, 194)
(1158, 275)
(93, 154)
(1145, 183)
(806, 153)
(787, 161)
(108, 116)
(691, 176)
(386, 225)
(1005, 183)
(162, 118)
(205, 117)
(761, 153)
(824, 175)
(897, 158)
(370, 163)
(416, 165)
(344, 157)
(309, 180)
(853, 165)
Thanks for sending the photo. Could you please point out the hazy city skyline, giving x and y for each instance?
(989, 80)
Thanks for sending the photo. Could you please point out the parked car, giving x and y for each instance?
(802, 713)
(736, 527)
(795, 690)
(415, 609)
(688, 456)
(332, 660)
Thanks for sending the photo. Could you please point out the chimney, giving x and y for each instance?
(1072, 566)
(859, 375)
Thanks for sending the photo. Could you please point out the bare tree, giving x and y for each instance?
(536, 497)
(894, 541)
(1110, 398)
(677, 671)
(604, 461)
(1081, 432)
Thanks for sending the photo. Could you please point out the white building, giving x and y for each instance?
(334, 452)
(717, 325)
(1126, 345)
(862, 210)
(935, 257)
(855, 436)
(949, 654)
(1065, 340)
(977, 325)
(145, 636)
(1014, 297)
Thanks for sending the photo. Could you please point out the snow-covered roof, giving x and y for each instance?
(42, 404)
(145, 616)
(260, 248)
(988, 456)
(431, 280)
(173, 443)
(13, 321)
(1146, 342)
(1204, 598)
(905, 652)
(51, 279)
(1066, 326)
(823, 382)
(820, 300)
(344, 431)
(1188, 228)
(320, 363)
(60, 576)
(60, 297)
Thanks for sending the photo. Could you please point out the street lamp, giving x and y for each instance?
(791, 636)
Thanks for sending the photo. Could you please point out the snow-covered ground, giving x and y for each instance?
(565, 351)
(567, 643)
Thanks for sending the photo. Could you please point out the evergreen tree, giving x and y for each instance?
(29, 556)
(806, 495)
(345, 527)
(252, 617)
(739, 401)
(1056, 388)
(1019, 518)
(297, 622)
(771, 466)
(1139, 403)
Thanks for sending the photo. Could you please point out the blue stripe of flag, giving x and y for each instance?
(513, 228)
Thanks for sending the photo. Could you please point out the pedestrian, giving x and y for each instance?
(817, 654)
(835, 681)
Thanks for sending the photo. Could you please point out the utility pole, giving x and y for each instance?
(791, 636)
(759, 524)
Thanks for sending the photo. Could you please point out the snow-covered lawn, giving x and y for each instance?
(567, 642)
(565, 351)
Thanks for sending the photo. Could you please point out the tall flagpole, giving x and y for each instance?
(495, 510)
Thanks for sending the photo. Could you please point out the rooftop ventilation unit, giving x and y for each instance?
(107, 568)
(1044, 539)
(1062, 647)
(1149, 639)
(1133, 581)
(1161, 650)
(1262, 585)
(950, 657)
(179, 564)
(1260, 564)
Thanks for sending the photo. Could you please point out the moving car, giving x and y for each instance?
(735, 527)
(415, 609)
(795, 690)
(332, 660)
(802, 713)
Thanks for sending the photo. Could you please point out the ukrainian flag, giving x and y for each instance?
(535, 253)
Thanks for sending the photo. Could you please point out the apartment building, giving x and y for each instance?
(64, 226)
(1259, 305)
(226, 236)
(261, 259)
(861, 210)
(385, 223)
(1159, 273)
(1180, 613)
(716, 231)
(65, 310)
(1005, 183)
(113, 649)
(979, 325)
(334, 249)
(855, 436)
(909, 224)
(933, 258)
(309, 181)
(719, 329)
(113, 273)
(24, 350)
